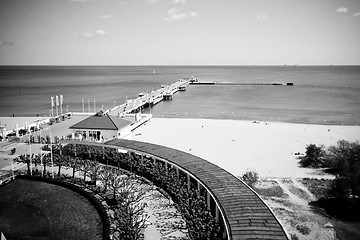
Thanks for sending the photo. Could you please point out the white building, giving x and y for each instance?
(100, 127)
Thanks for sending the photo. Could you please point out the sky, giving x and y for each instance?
(179, 32)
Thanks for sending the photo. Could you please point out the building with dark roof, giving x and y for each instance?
(100, 127)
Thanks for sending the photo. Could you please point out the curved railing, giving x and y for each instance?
(239, 211)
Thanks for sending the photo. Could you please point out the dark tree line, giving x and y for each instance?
(343, 161)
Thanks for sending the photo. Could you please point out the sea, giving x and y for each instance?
(319, 95)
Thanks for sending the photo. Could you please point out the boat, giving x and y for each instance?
(154, 71)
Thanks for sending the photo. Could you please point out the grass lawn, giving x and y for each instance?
(38, 210)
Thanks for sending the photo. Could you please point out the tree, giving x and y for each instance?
(344, 158)
(314, 156)
(129, 214)
(95, 170)
(72, 162)
(250, 178)
(59, 161)
(85, 167)
(46, 161)
(24, 159)
(105, 176)
(114, 182)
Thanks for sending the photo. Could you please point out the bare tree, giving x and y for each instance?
(129, 216)
(85, 167)
(74, 163)
(95, 171)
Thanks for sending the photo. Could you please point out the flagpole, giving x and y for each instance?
(41, 160)
(30, 161)
(61, 103)
(82, 100)
(52, 106)
(57, 104)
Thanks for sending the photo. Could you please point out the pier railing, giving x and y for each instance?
(148, 99)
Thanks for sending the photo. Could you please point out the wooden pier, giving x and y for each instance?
(166, 93)
(149, 99)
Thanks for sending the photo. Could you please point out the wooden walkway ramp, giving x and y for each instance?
(246, 215)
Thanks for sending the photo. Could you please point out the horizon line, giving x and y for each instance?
(172, 65)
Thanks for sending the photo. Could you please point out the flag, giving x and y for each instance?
(57, 100)
(52, 102)
(61, 99)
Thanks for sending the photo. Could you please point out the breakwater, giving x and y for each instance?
(243, 84)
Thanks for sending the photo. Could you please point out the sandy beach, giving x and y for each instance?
(235, 145)
(238, 146)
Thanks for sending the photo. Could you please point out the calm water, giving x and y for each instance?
(323, 94)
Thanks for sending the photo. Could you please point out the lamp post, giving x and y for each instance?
(51, 155)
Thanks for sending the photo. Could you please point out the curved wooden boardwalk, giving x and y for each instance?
(246, 215)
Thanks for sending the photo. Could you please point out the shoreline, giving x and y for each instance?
(262, 119)
(240, 145)
(237, 145)
(20, 120)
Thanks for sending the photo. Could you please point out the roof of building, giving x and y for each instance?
(102, 121)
